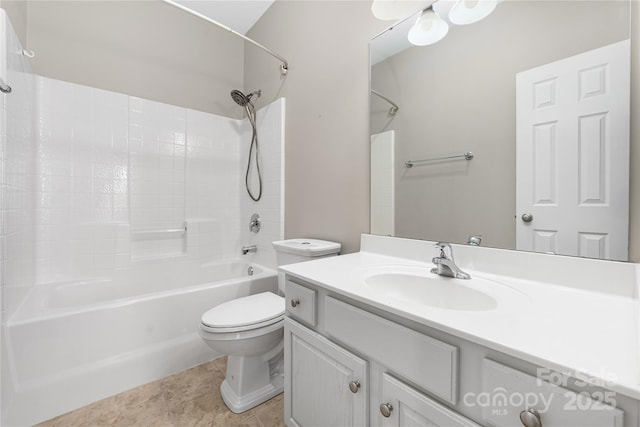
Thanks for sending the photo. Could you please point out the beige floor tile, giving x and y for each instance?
(187, 399)
(129, 408)
(271, 412)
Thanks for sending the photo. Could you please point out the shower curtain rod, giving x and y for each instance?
(394, 107)
(283, 68)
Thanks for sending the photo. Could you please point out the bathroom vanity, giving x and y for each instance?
(374, 338)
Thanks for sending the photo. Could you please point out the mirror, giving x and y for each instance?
(459, 96)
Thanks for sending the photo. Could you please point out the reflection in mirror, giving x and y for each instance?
(539, 92)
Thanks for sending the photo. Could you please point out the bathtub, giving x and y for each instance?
(88, 340)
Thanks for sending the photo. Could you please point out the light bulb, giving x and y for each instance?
(469, 11)
(428, 29)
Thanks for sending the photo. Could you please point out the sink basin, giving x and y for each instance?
(417, 285)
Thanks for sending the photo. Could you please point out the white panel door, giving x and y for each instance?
(383, 183)
(572, 125)
(404, 406)
(318, 377)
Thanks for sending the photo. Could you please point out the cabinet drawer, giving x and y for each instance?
(429, 363)
(403, 405)
(301, 302)
(508, 392)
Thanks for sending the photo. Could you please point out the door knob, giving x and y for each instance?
(527, 217)
(385, 409)
(354, 386)
(530, 418)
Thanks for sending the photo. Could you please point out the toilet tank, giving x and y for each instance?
(292, 251)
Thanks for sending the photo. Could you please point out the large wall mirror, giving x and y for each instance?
(537, 97)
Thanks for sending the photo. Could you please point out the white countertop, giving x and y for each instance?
(591, 334)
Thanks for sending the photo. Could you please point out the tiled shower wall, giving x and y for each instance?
(19, 149)
(114, 180)
(116, 173)
(17, 185)
(82, 180)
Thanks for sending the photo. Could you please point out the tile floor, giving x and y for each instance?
(186, 399)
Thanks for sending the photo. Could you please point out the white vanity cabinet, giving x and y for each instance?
(348, 363)
(327, 368)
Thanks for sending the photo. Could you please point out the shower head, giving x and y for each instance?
(241, 99)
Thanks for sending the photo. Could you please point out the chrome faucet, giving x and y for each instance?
(445, 265)
(247, 249)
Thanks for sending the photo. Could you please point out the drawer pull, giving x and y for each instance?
(354, 386)
(385, 409)
(295, 302)
(530, 418)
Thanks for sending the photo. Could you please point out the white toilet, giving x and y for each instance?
(250, 330)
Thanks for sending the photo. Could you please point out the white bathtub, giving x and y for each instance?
(88, 340)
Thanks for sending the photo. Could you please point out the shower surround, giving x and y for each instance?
(123, 220)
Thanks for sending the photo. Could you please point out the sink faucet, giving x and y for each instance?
(445, 266)
(247, 249)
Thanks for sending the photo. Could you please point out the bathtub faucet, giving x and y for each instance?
(247, 249)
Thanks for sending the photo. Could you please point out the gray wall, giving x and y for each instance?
(327, 135)
(459, 95)
(142, 48)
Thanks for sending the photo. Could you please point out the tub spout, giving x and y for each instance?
(247, 249)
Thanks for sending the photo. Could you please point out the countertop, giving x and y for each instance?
(588, 334)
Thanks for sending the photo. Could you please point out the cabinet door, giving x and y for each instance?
(325, 385)
(405, 406)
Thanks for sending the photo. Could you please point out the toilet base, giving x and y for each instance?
(251, 380)
(238, 404)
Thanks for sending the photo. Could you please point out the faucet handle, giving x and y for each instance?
(442, 246)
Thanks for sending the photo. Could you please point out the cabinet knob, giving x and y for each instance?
(385, 409)
(295, 302)
(530, 418)
(354, 386)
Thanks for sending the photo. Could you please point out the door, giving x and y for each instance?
(572, 144)
(406, 407)
(325, 385)
(383, 183)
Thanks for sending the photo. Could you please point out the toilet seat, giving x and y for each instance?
(245, 314)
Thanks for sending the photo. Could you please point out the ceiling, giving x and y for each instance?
(239, 15)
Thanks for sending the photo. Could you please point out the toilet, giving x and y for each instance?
(250, 331)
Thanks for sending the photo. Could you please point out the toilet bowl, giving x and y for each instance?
(250, 331)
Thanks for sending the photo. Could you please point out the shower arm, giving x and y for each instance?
(284, 68)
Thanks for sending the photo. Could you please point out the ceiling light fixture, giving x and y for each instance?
(428, 29)
(466, 12)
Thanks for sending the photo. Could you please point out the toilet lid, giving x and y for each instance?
(253, 310)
